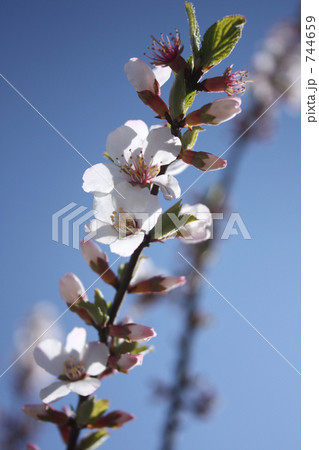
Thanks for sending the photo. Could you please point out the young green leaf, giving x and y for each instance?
(190, 136)
(93, 440)
(193, 30)
(220, 39)
(177, 97)
(99, 408)
(84, 411)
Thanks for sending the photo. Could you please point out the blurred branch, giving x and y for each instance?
(275, 69)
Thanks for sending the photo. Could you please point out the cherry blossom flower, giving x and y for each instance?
(198, 230)
(122, 222)
(75, 365)
(138, 154)
(219, 111)
(231, 83)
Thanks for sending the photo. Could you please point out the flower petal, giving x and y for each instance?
(162, 74)
(98, 179)
(55, 391)
(95, 358)
(140, 75)
(85, 387)
(76, 341)
(168, 185)
(126, 140)
(103, 206)
(162, 147)
(178, 166)
(126, 246)
(50, 355)
(101, 232)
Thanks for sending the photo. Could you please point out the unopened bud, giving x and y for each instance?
(157, 284)
(132, 332)
(72, 289)
(114, 419)
(221, 110)
(124, 363)
(98, 261)
(203, 161)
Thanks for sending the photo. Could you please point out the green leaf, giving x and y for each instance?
(189, 137)
(165, 226)
(177, 97)
(99, 317)
(84, 411)
(100, 302)
(99, 408)
(93, 440)
(220, 39)
(125, 347)
(193, 30)
(190, 97)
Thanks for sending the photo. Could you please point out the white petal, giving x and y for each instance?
(101, 232)
(162, 147)
(168, 185)
(140, 75)
(98, 179)
(135, 198)
(103, 206)
(126, 246)
(162, 74)
(76, 341)
(50, 355)
(130, 136)
(55, 391)
(85, 387)
(95, 358)
(178, 166)
(193, 234)
(198, 210)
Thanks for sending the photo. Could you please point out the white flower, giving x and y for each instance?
(122, 222)
(75, 365)
(144, 78)
(198, 230)
(71, 289)
(138, 154)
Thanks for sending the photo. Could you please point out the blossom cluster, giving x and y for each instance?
(139, 173)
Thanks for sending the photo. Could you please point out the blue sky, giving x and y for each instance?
(67, 59)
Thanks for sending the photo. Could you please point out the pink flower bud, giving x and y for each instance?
(124, 363)
(147, 83)
(114, 419)
(92, 253)
(132, 332)
(98, 261)
(71, 289)
(46, 413)
(31, 446)
(158, 284)
(203, 161)
(221, 110)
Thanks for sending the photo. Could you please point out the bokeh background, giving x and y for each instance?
(67, 59)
